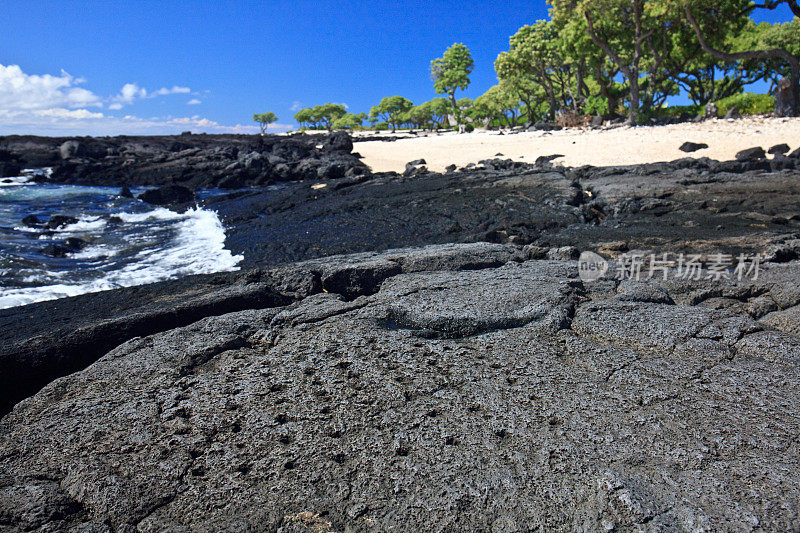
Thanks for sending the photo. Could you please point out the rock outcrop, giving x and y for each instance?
(168, 195)
(457, 387)
(471, 386)
(194, 161)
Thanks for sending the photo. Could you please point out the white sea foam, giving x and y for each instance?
(160, 213)
(95, 252)
(15, 181)
(198, 247)
(84, 225)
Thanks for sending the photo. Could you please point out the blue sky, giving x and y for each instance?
(108, 67)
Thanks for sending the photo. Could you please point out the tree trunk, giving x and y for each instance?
(529, 118)
(456, 110)
(605, 89)
(793, 62)
(581, 85)
(633, 110)
(631, 73)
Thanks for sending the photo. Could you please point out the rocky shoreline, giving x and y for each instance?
(192, 161)
(419, 351)
(454, 386)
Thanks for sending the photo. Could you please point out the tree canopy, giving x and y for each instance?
(391, 110)
(451, 72)
(320, 116)
(264, 120)
(610, 58)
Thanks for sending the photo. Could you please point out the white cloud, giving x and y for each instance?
(175, 90)
(131, 92)
(19, 90)
(58, 112)
(66, 122)
(194, 101)
(53, 105)
(296, 106)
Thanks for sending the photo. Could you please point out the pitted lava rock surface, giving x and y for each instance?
(512, 396)
(419, 352)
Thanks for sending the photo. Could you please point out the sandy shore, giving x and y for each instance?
(602, 147)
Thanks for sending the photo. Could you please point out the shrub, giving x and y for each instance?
(571, 119)
(747, 103)
(596, 105)
(469, 128)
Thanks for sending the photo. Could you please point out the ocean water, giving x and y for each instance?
(127, 242)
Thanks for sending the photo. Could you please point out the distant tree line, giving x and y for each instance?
(606, 57)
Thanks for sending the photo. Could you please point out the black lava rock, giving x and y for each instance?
(168, 195)
(339, 141)
(74, 243)
(689, 147)
(751, 154)
(10, 165)
(781, 149)
(56, 250)
(31, 221)
(59, 221)
(545, 159)
(9, 169)
(125, 192)
(195, 162)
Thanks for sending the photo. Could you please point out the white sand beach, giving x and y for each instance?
(600, 147)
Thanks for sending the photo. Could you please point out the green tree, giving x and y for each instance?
(706, 17)
(768, 36)
(349, 121)
(304, 117)
(324, 115)
(596, 85)
(264, 120)
(419, 116)
(451, 72)
(537, 58)
(441, 108)
(648, 42)
(499, 103)
(391, 110)
(623, 30)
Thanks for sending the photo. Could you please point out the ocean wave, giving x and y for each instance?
(196, 245)
(101, 251)
(84, 225)
(15, 181)
(158, 214)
